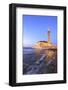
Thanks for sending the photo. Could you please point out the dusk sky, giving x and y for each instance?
(36, 29)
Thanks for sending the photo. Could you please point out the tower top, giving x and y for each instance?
(49, 37)
(48, 29)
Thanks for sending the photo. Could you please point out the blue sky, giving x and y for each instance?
(36, 28)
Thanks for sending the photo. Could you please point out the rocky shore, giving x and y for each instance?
(40, 62)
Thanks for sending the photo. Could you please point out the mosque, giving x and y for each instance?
(45, 44)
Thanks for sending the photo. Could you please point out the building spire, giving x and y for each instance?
(48, 28)
(49, 37)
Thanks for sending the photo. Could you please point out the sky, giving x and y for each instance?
(35, 28)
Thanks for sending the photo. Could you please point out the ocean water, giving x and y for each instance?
(28, 50)
(29, 56)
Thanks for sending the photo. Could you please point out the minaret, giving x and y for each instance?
(49, 38)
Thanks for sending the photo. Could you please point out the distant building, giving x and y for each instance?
(45, 44)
